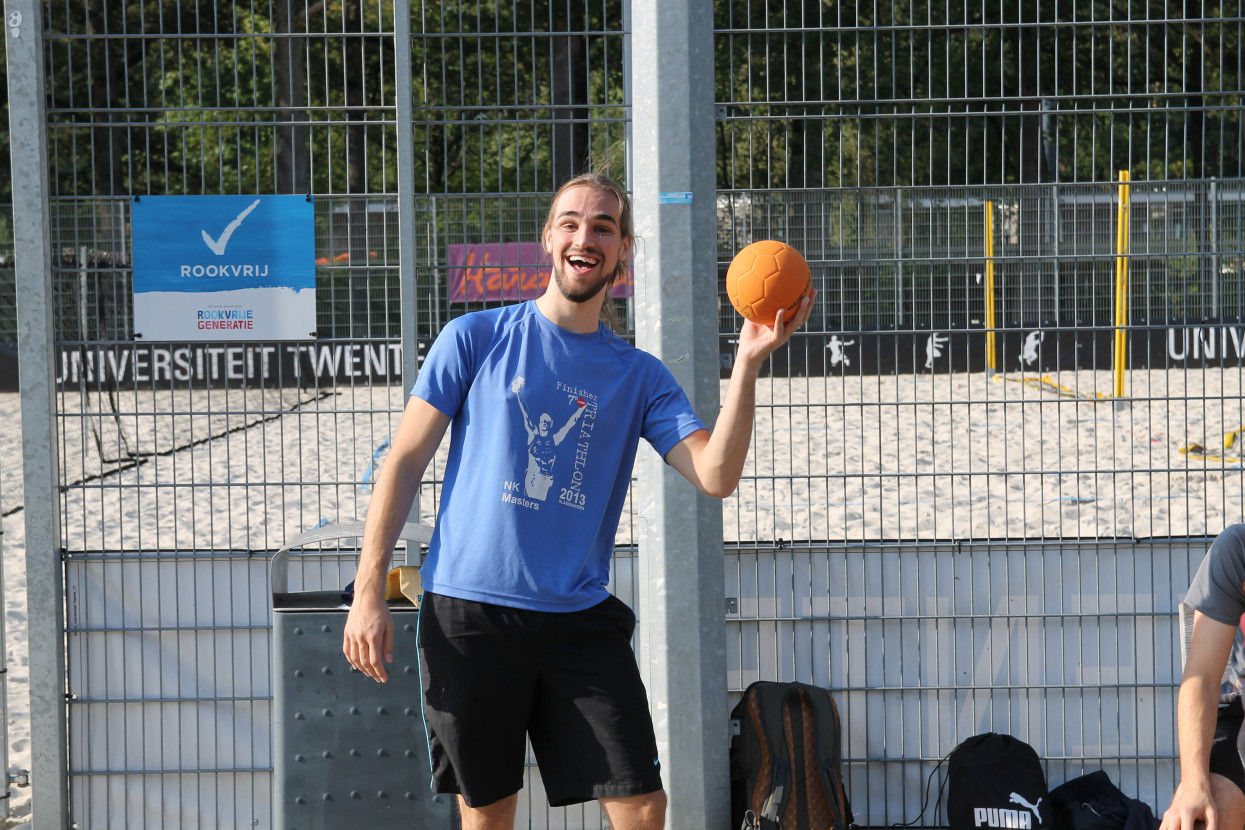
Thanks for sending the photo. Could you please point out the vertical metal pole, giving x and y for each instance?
(436, 283)
(44, 573)
(406, 190)
(1121, 286)
(408, 289)
(899, 256)
(437, 810)
(628, 131)
(991, 353)
(82, 291)
(1056, 233)
(682, 566)
(1214, 250)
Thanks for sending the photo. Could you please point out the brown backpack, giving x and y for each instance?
(786, 755)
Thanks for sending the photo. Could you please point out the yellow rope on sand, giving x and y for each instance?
(1195, 452)
(1046, 383)
(1199, 453)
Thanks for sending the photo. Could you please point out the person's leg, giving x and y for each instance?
(1230, 802)
(638, 812)
(478, 683)
(1227, 773)
(496, 816)
(591, 730)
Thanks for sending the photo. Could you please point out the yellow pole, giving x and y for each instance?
(1121, 285)
(991, 362)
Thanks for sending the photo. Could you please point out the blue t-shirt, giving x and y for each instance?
(545, 426)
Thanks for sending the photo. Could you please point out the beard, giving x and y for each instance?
(579, 293)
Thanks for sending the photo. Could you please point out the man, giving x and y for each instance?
(517, 634)
(1211, 794)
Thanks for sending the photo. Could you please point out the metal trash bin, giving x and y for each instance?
(347, 751)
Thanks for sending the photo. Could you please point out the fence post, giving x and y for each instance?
(681, 567)
(437, 811)
(991, 355)
(1214, 251)
(35, 343)
(1056, 236)
(899, 257)
(404, 110)
(1121, 286)
(408, 288)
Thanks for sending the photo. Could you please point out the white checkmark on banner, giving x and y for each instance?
(218, 245)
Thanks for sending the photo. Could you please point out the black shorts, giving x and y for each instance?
(494, 675)
(1225, 757)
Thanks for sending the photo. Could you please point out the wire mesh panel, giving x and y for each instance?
(948, 93)
(8, 290)
(158, 98)
(184, 464)
(169, 690)
(1069, 646)
(514, 99)
(950, 173)
(893, 417)
(921, 486)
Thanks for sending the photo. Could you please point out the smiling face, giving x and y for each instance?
(588, 238)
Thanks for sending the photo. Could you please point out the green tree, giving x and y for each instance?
(950, 93)
(514, 100)
(150, 97)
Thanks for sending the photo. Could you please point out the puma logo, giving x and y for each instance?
(1017, 798)
(1008, 819)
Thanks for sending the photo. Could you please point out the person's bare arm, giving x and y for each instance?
(714, 461)
(1196, 710)
(368, 638)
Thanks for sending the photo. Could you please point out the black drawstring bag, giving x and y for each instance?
(996, 781)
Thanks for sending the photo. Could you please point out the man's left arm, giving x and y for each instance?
(714, 461)
(1197, 705)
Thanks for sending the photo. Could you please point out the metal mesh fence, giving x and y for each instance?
(913, 258)
(902, 496)
(274, 97)
(516, 99)
(1069, 646)
(8, 286)
(950, 93)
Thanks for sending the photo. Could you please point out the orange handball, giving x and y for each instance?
(766, 277)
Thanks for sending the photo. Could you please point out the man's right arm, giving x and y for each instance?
(1196, 711)
(368, 637)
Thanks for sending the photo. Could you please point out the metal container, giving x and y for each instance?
(347, 751)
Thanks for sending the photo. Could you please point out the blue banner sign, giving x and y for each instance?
(224, 268)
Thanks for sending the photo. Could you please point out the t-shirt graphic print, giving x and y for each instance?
(551, 435)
